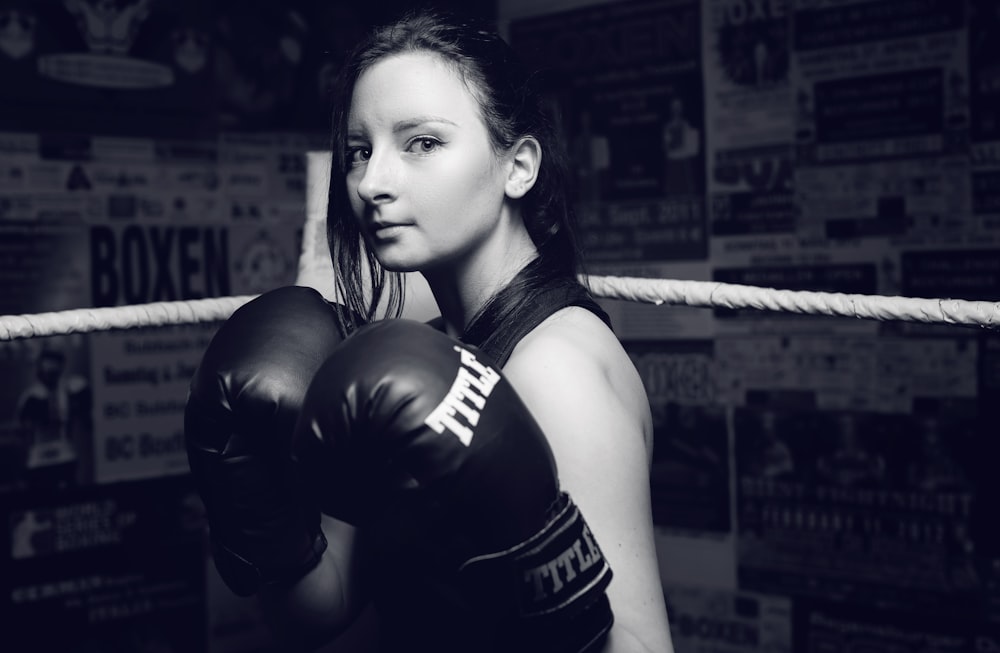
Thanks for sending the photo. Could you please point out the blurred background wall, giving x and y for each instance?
(820, 484)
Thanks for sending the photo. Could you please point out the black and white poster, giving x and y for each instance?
(626, 81)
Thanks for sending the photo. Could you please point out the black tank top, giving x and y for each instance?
(417, 602)
(497, 333)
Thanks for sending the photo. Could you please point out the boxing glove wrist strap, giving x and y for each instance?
(546, 582)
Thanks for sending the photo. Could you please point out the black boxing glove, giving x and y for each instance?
(243, 403)
(402, 414)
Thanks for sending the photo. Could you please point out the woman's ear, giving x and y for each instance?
(526, 157)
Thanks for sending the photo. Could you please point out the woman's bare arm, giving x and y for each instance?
(587, 397)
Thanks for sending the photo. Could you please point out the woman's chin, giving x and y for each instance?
(396, 263)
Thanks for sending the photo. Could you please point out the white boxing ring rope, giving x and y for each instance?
(315, 270)
(84, 320)
(706, 294)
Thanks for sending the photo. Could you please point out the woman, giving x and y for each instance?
(444, 164)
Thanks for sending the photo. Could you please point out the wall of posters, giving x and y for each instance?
(91, 425)
(848, 146)
(109, 221)
(818, 483)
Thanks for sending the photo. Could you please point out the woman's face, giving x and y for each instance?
(423, 180)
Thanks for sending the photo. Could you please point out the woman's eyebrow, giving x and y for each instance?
(403, 125)
(417, 121)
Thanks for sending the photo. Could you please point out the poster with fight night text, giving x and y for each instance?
(128, 67)
(746, 58)
(868, 509)
(627, 86)
(706, 620)
(111, 222)
(46, 414)
(689, 475)
(104, 568)
(881, 96)
(831, 626)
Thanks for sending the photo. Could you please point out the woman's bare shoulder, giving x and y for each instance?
(574, 357)
(572, 340)
(573, 330)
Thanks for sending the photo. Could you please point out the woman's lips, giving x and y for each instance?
(388, 229)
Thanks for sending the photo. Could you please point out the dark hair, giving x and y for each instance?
(512, 108)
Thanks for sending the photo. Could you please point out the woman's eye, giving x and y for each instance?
(424, 145)
(356, 155)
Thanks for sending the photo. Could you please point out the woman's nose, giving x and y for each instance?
(377, 180)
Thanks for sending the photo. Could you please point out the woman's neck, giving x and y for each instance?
(461, 290)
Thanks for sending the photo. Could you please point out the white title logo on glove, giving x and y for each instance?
(473, 384)
(551, 577)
